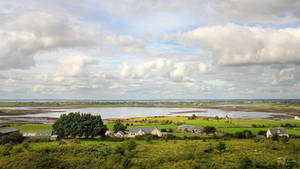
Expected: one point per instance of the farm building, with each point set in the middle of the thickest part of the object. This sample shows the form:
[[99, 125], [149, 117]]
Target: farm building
[[7, 131], [280, 131], [120, 134], [142, 131]]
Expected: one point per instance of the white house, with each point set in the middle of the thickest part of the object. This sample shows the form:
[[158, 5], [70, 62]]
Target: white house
[[135, 131], [297, 118], [120, 134], [280, 131]]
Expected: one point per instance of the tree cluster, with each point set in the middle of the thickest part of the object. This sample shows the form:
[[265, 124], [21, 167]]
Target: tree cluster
[[209, 129], [76, 124]]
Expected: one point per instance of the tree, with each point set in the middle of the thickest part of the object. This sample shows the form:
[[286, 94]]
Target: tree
[[76, 124], [192, 117], [209, 129], [247, 134], [118, 126]]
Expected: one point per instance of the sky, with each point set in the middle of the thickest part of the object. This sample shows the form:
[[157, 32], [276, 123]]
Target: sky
[[149, 49]]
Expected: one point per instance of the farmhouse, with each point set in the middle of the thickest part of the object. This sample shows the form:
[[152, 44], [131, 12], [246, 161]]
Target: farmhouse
[[120, 134], [280, 131], [297, 117], [134, 131], [7, 131]]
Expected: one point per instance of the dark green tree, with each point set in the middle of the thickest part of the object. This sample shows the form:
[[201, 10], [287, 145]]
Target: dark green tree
[[76, 124], [118, 126], [209, 129]]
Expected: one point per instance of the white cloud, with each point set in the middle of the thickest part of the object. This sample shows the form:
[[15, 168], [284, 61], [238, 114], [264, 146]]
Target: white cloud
[[25, 35], [235, 45], [142, 69], [74, 65], [203, 68], [178, 73], [125, 71]]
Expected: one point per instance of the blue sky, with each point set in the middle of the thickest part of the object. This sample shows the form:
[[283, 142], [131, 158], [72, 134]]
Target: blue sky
[[149, 49]]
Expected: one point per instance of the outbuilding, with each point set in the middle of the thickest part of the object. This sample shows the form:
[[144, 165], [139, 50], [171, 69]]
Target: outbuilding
[[279, 131], [8, 131]]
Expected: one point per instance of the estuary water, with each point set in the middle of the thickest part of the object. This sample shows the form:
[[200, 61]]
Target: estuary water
[[127, 112]]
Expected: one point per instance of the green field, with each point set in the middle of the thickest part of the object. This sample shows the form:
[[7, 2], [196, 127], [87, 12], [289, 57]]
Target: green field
[[158, 154], [236, 125]]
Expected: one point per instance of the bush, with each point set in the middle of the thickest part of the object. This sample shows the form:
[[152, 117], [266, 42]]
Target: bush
[[262, 133], [119, 150], [148, 138], [163, 130], [247, 134], [244, 134], [209, 149], [245, 163], [6, 150], [209, 129], [13, 138], [170, 130], [193, 117], [284, 139], [221, 146], [169, 137], [194, 138], [130, 145]]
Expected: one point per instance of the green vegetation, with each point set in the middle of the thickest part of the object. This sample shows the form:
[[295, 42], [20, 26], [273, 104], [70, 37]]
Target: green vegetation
[[155, 154], [238, 148], [76, 124], [13, 138], [118, 126]]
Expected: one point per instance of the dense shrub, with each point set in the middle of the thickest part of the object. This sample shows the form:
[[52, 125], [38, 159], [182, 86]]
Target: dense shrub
[[288, 125], [130, 145], [209, 129], [221, 146], [163, 130], [193, 117], [244, 134], [169, 137], [245, 163], [262, 133], [170, 130], [13, 138], [209, 149]]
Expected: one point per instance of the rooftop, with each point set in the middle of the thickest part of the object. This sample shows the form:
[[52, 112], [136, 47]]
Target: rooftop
[[8, 130]]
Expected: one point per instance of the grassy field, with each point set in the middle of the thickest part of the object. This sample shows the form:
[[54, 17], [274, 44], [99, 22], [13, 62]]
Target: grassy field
[[236, 125], [173, 154]]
